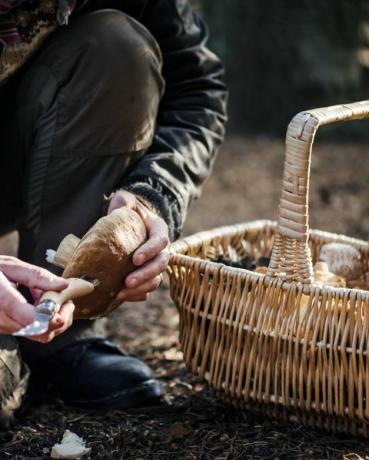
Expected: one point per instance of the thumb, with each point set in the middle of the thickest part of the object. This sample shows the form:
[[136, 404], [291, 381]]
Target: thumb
[[14, 305], [122, 198]]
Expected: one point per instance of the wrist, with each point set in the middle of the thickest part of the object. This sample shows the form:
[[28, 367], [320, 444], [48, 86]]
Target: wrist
[[147, 204], [123, 197]]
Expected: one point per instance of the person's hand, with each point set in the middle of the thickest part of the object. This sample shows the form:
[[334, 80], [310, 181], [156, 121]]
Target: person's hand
[[152, 257], [15, 311], [59, 324]]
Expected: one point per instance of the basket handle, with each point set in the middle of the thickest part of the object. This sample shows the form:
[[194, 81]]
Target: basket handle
[[291, 258]]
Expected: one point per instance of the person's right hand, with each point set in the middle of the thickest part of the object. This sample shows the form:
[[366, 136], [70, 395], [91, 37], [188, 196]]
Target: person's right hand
[[15, 311]]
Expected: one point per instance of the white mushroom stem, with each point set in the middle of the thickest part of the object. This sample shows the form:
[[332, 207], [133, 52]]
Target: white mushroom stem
[[50, 255], [64, 253]]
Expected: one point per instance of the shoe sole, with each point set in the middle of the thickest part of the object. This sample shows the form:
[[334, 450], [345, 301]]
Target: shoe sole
[[144, 394]]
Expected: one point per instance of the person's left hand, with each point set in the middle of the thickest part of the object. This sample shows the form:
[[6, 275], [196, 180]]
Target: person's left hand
[[152, 257], [61, 321], [15, 311], [59, 324]]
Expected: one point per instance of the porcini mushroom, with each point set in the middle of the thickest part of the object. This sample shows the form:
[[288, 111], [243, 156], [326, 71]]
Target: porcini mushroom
[[104, 254], [323, 277], [342, 259]]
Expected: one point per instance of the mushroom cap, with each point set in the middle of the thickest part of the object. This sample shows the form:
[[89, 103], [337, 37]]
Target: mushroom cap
[[105, 254], [342, 259]]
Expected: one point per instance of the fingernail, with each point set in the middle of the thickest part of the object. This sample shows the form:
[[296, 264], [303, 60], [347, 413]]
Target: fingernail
[[140, 259], [61, 282], [132, 282]]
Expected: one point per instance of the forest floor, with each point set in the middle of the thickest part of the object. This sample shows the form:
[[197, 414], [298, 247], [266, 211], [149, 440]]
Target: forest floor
[[190, 423]]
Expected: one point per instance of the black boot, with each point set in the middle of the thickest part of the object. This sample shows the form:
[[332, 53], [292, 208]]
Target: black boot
[[95, 374]]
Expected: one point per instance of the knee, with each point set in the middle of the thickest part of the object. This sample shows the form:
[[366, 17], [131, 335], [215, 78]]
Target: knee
[[116, 73], [111, 31], [13, 379], [103, 72]]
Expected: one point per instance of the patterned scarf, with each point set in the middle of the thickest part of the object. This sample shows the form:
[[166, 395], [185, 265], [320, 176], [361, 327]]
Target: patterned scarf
[[24, 24]]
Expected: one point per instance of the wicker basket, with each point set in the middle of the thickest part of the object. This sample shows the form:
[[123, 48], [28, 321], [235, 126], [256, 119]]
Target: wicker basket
[[248, 335]]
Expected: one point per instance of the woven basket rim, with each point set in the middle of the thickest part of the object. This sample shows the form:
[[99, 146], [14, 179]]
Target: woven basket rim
[[177, 257]]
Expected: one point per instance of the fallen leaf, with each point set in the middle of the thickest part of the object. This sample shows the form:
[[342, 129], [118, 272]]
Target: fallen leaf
[[178, 430], [173, 355]]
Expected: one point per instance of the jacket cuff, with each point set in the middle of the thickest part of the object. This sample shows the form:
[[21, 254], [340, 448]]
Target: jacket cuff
[[164, 203]]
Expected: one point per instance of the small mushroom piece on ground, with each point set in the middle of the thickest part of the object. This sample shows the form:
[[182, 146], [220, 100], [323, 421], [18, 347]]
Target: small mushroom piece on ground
[[342, 259], [71, 446]]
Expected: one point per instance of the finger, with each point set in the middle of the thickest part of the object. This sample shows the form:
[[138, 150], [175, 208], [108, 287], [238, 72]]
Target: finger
[[59, 324], [139, 298], [9, 325], [36, 294], [144, 288], [150, 249], [122, 198], [158, 239], [66, 313], [148, 271], [30, 275], [13, 304], [144, 212], [63, 319]]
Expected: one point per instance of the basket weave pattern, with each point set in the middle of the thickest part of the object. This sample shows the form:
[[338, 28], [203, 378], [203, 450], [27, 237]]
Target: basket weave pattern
[[277, 343]]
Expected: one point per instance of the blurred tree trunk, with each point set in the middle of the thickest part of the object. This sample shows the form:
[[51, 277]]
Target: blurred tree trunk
[[283, 56]]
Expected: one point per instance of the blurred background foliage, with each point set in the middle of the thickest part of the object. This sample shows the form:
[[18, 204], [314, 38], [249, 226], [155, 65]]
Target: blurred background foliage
[[283, 56]]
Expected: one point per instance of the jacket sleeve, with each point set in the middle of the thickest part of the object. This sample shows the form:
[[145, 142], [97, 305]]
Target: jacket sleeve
[[192, 114]]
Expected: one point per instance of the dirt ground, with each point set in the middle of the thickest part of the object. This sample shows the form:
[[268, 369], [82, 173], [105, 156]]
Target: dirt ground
[[191, 423]]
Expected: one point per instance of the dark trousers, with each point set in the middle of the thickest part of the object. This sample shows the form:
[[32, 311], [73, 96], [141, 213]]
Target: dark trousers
[[74, 120]]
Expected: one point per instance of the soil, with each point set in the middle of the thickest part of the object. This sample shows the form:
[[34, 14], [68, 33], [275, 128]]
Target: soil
[[191, 423]]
